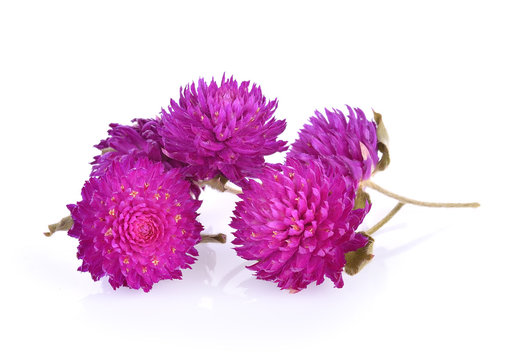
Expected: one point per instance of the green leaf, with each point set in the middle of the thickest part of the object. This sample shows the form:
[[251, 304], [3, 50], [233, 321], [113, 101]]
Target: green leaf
[[383, 142]]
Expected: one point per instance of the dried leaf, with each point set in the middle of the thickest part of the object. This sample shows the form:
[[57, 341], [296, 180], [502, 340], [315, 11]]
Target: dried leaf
[[218, 183], [383, 142], [356, 260], [63, 225], [360, 199]]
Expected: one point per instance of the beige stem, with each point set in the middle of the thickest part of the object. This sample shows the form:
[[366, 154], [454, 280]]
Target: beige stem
[[230, 189], [406, 200], [387, 217], [63, 225], [216, 238]]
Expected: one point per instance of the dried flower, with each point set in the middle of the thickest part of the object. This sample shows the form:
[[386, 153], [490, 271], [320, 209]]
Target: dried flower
[[222, 130], [136, 224], [332, 139], [297, 224], [140, 140]]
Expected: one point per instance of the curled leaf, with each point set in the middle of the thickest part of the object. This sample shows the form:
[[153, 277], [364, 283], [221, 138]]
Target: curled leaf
[[383, 142], [356, 260], [63, 225]]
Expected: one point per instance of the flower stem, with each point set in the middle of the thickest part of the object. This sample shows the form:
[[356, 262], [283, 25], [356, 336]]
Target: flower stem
[[232, 190], [219, 183], [216, 238], [406, 200], [387, 217], [63, 225]]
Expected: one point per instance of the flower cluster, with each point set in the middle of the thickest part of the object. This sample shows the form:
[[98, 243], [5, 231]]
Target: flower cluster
[[137, 220]]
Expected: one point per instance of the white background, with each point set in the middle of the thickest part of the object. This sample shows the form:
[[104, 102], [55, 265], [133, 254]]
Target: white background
[[436, 70]]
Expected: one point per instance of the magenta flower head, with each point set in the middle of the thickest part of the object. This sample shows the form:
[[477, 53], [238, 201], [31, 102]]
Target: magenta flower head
[[136, 224], [332, 138], [137, 141], [297, 224], [226, 129]]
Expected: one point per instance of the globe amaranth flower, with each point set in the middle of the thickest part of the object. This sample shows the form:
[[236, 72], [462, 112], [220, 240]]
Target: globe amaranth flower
[[352, 144], [139, 140], [226, 129], [297, 224], [136, 224]]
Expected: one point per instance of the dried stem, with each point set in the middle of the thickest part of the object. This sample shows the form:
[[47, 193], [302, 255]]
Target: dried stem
[[387, 217], [63, 225], [406, 200], [216, 238], [232, 190], [219, 183]]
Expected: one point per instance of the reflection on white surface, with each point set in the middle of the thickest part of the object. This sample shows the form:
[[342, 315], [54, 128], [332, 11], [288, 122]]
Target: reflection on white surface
[[221, 295]]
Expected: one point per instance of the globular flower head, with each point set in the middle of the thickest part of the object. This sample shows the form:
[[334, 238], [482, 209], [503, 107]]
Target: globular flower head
[[352, 144], [226, 129], [297, 224], [136, 224], [139, 140]]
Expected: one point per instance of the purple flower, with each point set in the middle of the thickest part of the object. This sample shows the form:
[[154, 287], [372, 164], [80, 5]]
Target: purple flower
[[137, 141], [136, 224], [226, 129], [352, 145], [297, 224]]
